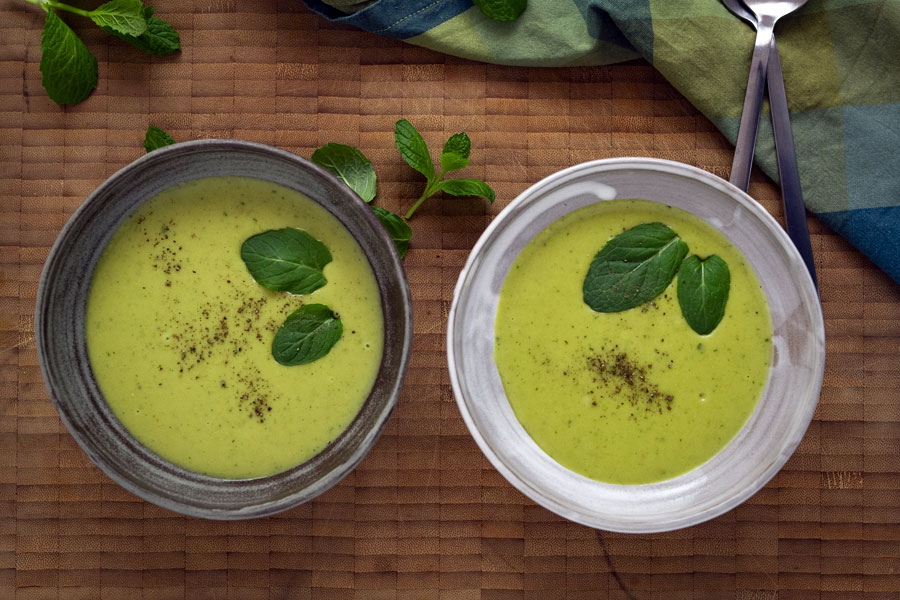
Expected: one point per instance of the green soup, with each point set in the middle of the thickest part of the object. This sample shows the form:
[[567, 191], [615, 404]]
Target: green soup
[[179, 334], [636, 396]]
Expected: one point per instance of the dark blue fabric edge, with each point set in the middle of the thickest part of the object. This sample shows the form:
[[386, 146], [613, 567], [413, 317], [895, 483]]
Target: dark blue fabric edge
[[874, 231], [401, 19]]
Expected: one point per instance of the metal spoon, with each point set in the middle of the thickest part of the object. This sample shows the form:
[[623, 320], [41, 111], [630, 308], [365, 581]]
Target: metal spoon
[[791, 192]]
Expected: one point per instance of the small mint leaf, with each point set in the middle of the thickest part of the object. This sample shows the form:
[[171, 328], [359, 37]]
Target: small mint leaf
[[413, 149], [160, 38], [156, 138], [308, 334], [455, 154], [459, 143], [397, 228], [467, 187], [124, 16], [68, 69], [351, 166], [633, 267], [703, 287], [286, 259], [451, 161]]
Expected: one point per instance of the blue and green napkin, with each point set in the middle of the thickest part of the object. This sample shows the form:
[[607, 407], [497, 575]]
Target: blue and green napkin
[[841, 64]]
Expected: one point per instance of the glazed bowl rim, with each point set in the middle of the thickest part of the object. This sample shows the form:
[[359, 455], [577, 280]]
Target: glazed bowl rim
[[508, 214], [183, 151]]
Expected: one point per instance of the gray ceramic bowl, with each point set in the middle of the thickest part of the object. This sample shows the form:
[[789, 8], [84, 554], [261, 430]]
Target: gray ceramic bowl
[[62, 351]]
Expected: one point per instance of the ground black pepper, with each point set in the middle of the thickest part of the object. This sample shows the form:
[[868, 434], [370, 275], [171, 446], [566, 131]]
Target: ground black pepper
[[218, 331], [612, 369]]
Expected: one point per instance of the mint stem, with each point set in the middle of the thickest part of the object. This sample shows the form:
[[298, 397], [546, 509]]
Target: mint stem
[[53, 4], [418, 203], [429, 192]]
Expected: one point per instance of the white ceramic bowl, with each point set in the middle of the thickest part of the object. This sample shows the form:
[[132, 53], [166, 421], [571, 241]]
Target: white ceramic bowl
[[759, 449]]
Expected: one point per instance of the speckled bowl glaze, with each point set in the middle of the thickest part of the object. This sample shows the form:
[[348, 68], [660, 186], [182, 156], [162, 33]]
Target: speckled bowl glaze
[[758, 450], [62, 351]]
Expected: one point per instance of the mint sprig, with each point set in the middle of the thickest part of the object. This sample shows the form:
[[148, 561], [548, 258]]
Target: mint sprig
[[69, 70], [455, 156]]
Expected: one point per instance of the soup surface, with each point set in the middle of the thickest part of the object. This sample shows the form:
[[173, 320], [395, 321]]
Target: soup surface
[[180, 335], [635, 396]]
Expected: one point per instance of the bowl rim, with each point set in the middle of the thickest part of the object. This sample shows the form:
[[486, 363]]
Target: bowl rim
[[299, 496], [645, 164]]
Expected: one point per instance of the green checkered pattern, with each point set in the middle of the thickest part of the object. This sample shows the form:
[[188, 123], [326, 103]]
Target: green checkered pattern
[[841, 64]]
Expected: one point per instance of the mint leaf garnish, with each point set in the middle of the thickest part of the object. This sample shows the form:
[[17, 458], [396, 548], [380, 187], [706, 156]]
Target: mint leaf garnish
[[703, 286], [397, 228], [458, 143], [286, 259], [633, 267], [501, 10], [455, 156], [413, 149], [467, 187], [123, 16], [456, 152], [156, 138], [160, 38], [308, 334], [351, 166], [68, 69]]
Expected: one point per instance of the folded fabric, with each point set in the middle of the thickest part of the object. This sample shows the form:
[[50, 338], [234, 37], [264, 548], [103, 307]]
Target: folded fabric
[[841, 65]]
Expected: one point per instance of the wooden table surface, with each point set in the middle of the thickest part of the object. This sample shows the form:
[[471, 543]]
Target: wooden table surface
[[425, 516]]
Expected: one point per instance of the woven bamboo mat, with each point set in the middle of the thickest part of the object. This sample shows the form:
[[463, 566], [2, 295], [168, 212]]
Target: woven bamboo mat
[[425, 516]]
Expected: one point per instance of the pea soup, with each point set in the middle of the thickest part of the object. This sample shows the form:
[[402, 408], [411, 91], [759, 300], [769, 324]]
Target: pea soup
[[180, 335], [635, 396]]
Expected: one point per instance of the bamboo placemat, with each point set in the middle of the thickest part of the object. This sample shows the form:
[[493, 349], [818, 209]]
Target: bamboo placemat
[[425, 516]]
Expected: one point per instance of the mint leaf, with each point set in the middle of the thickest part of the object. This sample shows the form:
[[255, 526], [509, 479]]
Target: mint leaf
[[286, 260], [68, 68], [159, 38], [156, 138], [413, 149], [703, 287], [124, 16], [633, 267], [467, 187], [308, 334], [459, 143], [501, 10], [456, 152], [397, 228], [350, 165]]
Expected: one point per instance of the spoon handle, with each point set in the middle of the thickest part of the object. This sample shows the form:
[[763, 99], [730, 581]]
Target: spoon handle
[[788, 172], [746, 140]]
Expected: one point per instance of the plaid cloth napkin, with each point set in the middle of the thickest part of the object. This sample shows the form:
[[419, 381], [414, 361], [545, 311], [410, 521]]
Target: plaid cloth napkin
[[841, 66]]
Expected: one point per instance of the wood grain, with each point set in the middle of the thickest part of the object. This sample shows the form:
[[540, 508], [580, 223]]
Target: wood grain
[[425, 516]]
